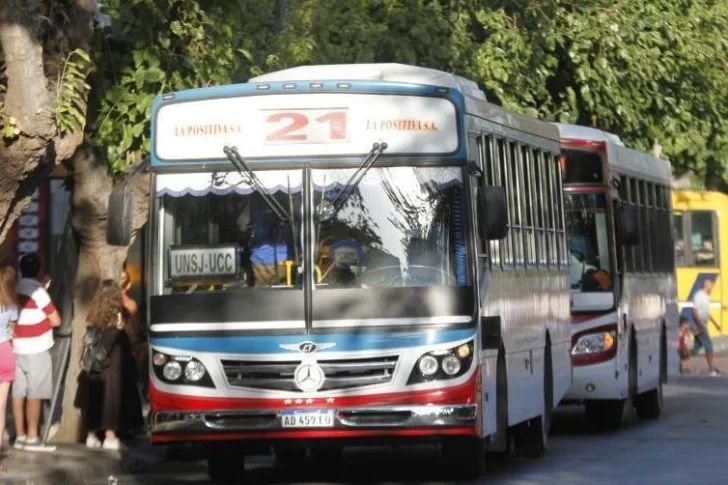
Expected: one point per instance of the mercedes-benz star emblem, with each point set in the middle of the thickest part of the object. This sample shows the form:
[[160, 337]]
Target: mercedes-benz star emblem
[[309, 377]]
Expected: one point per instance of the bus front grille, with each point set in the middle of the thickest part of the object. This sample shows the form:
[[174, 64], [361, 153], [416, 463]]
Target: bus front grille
[[340, 373]]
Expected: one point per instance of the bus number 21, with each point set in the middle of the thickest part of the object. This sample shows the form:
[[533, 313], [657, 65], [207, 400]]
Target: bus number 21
[[295, 124]]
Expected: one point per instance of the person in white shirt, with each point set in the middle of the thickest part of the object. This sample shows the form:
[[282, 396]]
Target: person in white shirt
[[701, 317], [33, 365]]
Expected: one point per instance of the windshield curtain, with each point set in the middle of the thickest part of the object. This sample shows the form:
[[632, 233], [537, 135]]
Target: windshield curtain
[[210, 217], [590, 262], [399, 227]]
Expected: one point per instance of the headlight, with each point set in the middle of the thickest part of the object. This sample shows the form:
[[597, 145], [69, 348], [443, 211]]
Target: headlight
[[194, 371], [593, 343], [451, 365], [428, 365], [172, 371], [442, 364], [180, 370]]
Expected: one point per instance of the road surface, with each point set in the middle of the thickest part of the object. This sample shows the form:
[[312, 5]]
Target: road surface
[[689, 444]]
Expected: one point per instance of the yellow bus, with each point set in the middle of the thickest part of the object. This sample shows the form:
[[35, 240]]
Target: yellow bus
[[700, 241]]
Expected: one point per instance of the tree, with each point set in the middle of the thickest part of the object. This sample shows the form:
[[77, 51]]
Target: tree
[[644, 70], [43, 93]]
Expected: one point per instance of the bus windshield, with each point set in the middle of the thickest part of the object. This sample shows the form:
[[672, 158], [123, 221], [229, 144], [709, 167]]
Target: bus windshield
[[220, 232], [590, 264], [399, 227]]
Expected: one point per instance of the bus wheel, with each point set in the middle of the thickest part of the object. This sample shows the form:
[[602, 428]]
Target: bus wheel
[[467, 455], [649, 404], [534, 433], [605, 415], [226, 465], [290, 457], [327, 456]]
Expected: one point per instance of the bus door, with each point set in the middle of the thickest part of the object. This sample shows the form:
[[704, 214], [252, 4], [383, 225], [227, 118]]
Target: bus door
[[698, 258]]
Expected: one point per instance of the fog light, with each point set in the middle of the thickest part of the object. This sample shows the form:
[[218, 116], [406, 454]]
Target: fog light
[[159, 359], [590, 387], [172, 371], [451, 365], [194, 371], [464, 351], [428, 365]]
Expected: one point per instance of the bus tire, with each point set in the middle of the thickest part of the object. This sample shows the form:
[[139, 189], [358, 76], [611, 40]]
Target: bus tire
[[534, 434], [290, 457], [501, 411], [329, 456], [649, 404], [605, 415], [466, 455], [226, 465]]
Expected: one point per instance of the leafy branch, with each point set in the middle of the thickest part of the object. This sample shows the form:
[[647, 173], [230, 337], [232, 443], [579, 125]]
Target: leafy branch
[[72, 92]]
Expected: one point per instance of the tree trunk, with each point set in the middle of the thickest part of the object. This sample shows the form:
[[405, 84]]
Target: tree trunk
[[97, 261], [30, 100]]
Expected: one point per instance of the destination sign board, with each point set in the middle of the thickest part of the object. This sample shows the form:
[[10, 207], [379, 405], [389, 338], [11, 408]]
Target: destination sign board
[[305, 124]]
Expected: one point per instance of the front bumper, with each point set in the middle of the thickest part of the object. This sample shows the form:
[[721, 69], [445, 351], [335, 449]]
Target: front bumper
[[359, 418], [595, 382]]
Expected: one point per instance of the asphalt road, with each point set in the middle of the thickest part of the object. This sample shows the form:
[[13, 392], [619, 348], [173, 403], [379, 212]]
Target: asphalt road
[[688, 444]]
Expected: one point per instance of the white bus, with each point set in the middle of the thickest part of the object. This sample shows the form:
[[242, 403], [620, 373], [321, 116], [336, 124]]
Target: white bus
[[623, 287], [353, 254]]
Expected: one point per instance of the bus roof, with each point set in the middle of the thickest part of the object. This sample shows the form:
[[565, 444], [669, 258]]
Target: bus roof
[[391, 72], [622, 159]]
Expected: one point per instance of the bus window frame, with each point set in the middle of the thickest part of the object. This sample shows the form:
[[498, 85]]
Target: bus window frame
[[687, 227]]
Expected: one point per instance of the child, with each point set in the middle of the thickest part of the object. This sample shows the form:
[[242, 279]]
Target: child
[[686, 365]]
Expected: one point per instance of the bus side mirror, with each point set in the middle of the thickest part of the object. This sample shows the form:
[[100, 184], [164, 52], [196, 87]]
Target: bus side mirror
[[493, 224], [630, 225], [119, 221]]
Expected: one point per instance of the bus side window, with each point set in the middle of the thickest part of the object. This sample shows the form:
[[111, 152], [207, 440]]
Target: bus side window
[[703, 241], [680, 247]]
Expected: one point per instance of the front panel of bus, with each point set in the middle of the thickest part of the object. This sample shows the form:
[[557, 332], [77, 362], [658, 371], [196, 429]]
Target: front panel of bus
[[310, 294], [699, 220]]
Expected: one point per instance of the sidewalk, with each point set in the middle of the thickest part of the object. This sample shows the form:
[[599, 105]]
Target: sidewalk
[[78, 465]]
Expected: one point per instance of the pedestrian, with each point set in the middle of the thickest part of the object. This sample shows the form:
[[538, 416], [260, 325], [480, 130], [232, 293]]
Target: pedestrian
[[107, 393], [132, 324], [33, 365], [8, 321], [684, 348], [701, 317]]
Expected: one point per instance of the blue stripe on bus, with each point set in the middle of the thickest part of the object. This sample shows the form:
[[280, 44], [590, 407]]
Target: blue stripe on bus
[[687, 312], [329, 87], [345, 342]]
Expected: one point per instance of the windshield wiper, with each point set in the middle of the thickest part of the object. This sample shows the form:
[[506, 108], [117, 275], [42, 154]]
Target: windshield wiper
[[233, 155], [335, 205]]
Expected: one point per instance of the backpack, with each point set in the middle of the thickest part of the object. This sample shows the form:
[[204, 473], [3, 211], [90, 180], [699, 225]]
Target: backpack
[[95, 357]]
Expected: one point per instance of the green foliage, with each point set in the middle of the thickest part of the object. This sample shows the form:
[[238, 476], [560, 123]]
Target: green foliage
[[72, 92], [643, 69], [8, 125]]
